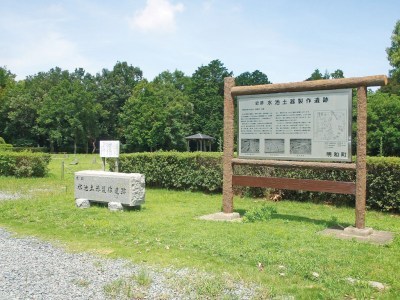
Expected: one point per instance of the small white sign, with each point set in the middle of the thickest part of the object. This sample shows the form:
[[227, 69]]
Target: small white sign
[[109, 148]]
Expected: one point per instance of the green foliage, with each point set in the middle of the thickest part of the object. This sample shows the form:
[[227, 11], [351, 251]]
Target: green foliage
[[317, 75], [383, 124], [393, 55], [260, 214], [393, 51], [112, 89], [383, 182], [24, 164], [202, 171], [207, 97], [176, 170], [6, 147], [2, 141], [30, 149], [255, 78], [156, 117]]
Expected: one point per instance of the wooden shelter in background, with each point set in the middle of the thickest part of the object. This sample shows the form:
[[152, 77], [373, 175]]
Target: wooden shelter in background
[[202, 141]]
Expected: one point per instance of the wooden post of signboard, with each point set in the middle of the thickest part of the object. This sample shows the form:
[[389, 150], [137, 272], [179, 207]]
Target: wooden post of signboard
[[361, 173], [227, 188]]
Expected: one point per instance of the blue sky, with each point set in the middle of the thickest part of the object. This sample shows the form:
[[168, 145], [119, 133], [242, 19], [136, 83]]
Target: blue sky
[[287, 40]]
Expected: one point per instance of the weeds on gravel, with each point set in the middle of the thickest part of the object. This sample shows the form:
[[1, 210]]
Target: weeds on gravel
[[143, 278]]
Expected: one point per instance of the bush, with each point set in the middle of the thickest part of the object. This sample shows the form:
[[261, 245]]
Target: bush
[[30, 149], [383, 183], [176, 170], [202, 171], [2, 141], [263, 213], [24, 164], [6, 147]]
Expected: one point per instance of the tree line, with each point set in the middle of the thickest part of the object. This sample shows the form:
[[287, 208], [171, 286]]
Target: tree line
[[72, 111]]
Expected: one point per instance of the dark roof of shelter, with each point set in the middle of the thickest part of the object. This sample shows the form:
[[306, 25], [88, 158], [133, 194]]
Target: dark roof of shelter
[[199, 136]]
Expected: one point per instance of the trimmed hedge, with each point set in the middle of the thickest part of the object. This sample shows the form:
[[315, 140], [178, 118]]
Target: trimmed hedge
[[176, 170], [24, 164], [6, 147], [30, 149], [202, 171]]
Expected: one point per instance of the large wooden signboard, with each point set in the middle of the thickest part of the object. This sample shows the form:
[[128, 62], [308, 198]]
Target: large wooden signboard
[[274, 137], [296, 126]]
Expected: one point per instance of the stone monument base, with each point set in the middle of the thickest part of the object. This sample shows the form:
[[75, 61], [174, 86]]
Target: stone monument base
[[363, 235], [220, 216]]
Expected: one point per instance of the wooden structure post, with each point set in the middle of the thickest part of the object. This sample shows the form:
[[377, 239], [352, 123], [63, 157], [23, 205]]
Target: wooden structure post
[[227, 203], [361, 175], [358, 188]]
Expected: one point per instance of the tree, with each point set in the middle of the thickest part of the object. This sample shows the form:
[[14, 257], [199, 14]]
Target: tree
[[177, 78], [207, 97], [113, 89], [254, 78], [383, 124], [7, 83], [68, 112], [393, 53], [317, 75], [337, 74], [156, 117]]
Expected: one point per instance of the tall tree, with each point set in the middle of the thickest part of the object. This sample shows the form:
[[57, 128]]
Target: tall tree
[[156, 117], [176, 78], [7, 82], [383, 124], [207, 98], [337, 74], [68, 113], [254, 78], [113, 89], [317, 75], [393, 53]]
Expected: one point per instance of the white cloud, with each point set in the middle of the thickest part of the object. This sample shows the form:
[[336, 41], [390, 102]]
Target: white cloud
[[45, 52], [157, 16]]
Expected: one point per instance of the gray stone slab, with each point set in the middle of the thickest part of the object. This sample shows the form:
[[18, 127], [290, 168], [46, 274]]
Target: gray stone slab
[[82, 203], [115, 206], [363, 235], [100, 186], [220, 216]]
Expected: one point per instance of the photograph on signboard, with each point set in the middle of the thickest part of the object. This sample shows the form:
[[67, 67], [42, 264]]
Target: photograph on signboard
[[274, 146], [300, 146], [250, 146]]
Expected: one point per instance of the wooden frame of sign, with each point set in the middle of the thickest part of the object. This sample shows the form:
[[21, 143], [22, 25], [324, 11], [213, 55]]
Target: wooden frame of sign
[[358, 188]]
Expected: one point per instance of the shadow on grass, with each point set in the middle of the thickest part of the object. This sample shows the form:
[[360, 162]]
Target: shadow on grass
[[332, 223], [126, 208]]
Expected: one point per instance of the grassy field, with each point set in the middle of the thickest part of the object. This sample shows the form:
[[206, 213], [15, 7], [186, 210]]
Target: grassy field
[[166, 232]]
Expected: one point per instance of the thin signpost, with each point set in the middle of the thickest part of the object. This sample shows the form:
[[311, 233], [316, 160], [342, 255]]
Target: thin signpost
[[357, 188]]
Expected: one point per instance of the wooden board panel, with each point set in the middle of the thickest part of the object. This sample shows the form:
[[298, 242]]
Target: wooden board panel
[[314, 85], [339, 187], [294, 164]]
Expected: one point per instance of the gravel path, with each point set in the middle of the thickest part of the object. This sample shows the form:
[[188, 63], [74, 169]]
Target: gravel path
[[33, 269]]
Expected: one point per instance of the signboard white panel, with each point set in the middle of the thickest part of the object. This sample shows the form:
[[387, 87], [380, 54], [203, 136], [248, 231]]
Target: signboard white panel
[[109, 148], [313, 125]]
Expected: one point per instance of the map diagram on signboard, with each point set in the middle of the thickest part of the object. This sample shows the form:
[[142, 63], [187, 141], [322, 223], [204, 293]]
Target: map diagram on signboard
[[330, 125]]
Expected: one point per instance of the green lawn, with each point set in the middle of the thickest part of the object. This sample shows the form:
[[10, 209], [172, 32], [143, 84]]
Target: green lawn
[[166, 232]]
